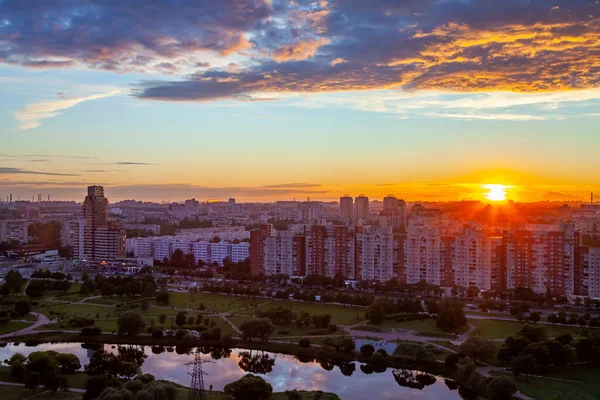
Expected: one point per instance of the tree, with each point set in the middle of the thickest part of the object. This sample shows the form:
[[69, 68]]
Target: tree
[[249, 387], [257, 329], [33, 380], [23, 307], [150, 290], [478, 349], [501, 388], [535, 317], [94, 386], [376, 313], [452, 318], [162, 297], [69, 363], [304, 342], [130, 323], [181, 318], [162, 319], [524, 364], [13, 281], [451, 360], [367, 350], [63, 384], [18, 371], [52, 382]]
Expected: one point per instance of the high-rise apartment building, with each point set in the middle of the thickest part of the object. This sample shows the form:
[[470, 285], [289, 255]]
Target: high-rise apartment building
[[284, 253], [346, 207], [257, 248], [72, 234], [102, 239], [393, 214], [361, 207], [375, 254], [330, 251], [543, 260]]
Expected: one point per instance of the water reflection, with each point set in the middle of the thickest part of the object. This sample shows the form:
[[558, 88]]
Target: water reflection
[[349, 380]]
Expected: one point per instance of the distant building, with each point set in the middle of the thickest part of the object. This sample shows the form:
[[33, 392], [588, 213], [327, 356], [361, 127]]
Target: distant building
[[102, 239], [14, 229], [346, 207], [361, 207]]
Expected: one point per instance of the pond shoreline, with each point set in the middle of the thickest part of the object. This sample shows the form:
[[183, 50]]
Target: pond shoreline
[[312, 352]]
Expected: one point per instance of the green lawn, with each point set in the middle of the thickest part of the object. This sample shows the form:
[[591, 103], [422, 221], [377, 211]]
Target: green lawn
[[341, 315], [76, 380], [546, 389], [13, 326], [212, 302], [426, 327], [14, 392], [293, 329], [111, 325], [498, 329], [87, 311]]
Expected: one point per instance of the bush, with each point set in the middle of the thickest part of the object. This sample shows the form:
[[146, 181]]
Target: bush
[[304, 342], [80, 322], [91, 330], [215, 333], [452, 360], [157, 333], [367, 350], [382, 352], [283, 332], [180, 334], [14, 315], [206, 336], [226, 341]]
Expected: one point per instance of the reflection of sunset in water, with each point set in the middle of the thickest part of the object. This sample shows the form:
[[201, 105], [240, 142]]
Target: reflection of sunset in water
[[288, 373]]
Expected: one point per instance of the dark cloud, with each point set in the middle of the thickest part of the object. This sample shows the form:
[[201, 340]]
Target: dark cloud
[[118, 35], [315, 46], [20, 171]]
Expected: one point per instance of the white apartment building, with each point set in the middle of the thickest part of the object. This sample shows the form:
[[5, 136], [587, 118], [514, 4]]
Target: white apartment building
[[279, 254], [423, 261], [240, 252], [591, 273], [375, 254], [473, 260], [72, 234]]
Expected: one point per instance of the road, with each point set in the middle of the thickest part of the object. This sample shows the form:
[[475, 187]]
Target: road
[[74, 390], [41, 320]]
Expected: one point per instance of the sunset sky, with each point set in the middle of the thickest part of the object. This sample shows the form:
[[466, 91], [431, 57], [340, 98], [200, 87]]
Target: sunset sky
[[273, 99]]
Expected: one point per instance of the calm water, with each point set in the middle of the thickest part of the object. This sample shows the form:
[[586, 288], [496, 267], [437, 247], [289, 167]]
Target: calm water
[[287, 372]]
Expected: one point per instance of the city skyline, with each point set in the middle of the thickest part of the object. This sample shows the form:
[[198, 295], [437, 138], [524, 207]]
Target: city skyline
[[266, 100]]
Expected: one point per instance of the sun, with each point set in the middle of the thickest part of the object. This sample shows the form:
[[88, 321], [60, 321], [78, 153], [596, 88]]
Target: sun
[[496, 192]]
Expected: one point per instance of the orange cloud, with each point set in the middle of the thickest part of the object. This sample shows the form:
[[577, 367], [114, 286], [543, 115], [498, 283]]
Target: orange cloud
[[300, 50]]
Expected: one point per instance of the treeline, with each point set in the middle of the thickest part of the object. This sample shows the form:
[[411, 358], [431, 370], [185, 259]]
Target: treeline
[[13, 283], [118, 285], [45, 368], [37, 288], [46, 274], [44, 233]]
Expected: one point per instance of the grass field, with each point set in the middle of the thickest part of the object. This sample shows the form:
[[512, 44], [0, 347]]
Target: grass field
[[498, 329], [76, 380], [546, 389], [340, 315], [293, 329], [212, 302], [13, 326], [426, 327], [87, 311]]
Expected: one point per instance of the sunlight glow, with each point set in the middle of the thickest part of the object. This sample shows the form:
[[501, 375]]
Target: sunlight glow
[[495, 192]]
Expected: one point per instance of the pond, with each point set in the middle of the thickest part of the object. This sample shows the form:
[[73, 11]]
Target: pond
[[350, 381]]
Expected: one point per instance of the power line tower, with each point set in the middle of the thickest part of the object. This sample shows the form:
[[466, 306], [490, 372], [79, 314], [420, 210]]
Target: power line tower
[[197, 391]]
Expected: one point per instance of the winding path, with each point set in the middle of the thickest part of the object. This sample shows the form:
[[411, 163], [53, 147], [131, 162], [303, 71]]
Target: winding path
[[41, 320]]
